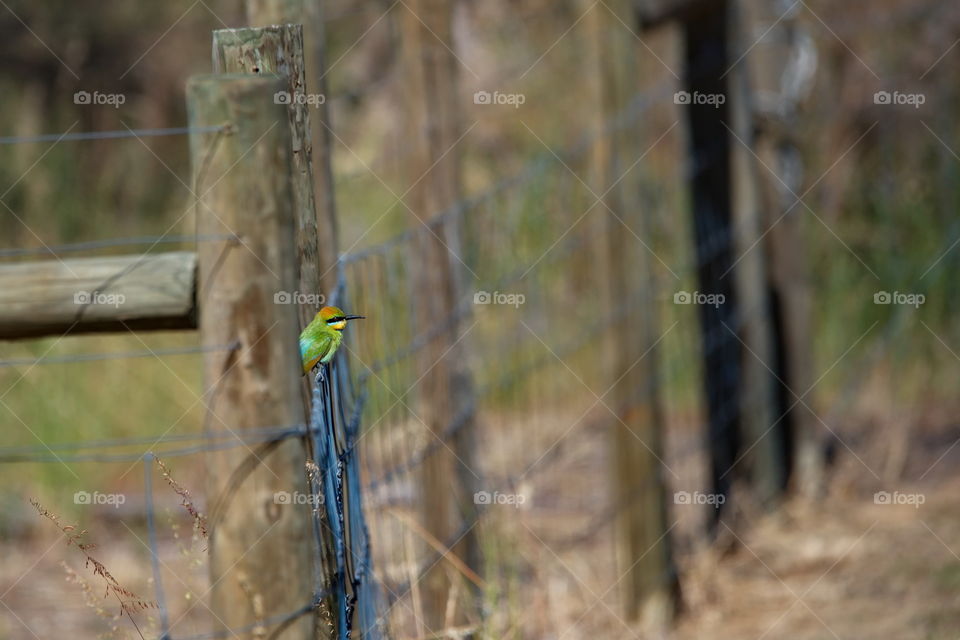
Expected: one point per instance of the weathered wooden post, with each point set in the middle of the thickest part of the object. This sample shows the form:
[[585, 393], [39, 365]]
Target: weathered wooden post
[[433, 120], [650, 585], [279, 50], [309, 14], [261, 552]]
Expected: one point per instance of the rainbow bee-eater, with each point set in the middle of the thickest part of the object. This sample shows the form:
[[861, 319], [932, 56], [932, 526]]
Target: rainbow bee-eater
[[321, 338]]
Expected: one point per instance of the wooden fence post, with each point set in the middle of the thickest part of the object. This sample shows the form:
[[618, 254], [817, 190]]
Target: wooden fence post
[[650, 585], [278, 50], [261, 552], [433, 120], [309, 14]]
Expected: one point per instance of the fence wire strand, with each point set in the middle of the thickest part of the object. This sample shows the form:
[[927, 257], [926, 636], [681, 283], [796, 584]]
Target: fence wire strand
[[107, 135]]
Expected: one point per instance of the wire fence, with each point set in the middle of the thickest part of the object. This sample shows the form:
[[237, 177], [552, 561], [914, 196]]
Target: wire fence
[[542, 355], [533, 251]]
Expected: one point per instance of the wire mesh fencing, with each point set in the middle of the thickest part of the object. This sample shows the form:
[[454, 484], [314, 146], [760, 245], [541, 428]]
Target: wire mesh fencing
[[532, 263]]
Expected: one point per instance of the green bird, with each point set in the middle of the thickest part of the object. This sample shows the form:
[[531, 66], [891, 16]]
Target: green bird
[[321, 338]]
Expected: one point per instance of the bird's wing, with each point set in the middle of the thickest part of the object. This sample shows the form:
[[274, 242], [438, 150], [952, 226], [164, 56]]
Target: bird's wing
[[313, 349]]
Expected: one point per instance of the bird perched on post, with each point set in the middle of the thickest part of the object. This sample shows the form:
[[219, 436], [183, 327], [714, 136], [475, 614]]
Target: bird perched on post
[[321, 338]]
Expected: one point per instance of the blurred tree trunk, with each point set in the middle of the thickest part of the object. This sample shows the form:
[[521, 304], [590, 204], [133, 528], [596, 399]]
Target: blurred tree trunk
[[782, 67], [706, 51], [764, 433]]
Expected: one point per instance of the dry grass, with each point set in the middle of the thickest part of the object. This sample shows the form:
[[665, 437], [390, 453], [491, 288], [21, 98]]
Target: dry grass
[[129, 601], [186, 500]]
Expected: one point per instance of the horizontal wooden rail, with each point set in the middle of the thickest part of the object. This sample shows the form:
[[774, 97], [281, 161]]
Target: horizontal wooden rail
[[90, 295], [652, 14]]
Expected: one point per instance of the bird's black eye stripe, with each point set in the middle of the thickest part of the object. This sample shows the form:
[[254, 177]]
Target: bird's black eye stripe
[[336, 319]]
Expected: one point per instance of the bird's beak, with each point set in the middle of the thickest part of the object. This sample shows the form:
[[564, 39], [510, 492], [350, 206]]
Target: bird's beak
[[354, 317]]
